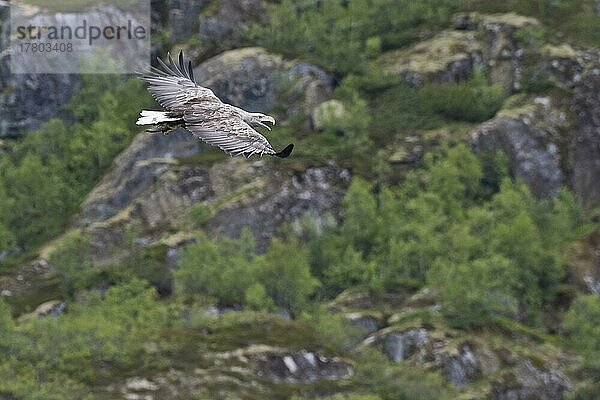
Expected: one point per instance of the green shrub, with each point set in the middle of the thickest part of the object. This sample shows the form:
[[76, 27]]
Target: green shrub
[[223, 268], [472, 293], [285, 274], [72, 263], [472, 101], [375, 374], [582, 329], [231, 271], [49, 172], [400, 110], [487, 254], [340, 35], [256, 297]]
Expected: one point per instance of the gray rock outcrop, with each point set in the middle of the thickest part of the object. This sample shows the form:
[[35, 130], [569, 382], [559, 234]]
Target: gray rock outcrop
[[527, 381], [464, 362], [584, 143], [531, 149], [400, 346]]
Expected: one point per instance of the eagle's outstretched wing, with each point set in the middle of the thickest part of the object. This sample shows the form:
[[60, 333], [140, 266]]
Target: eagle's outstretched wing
[[221, 125], [174, 86], [203, 114]]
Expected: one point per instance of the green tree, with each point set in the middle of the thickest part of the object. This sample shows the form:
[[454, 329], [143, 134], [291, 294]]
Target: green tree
[[223, 268], [582, 329], [40, 200], [285, 274], [473, 292]]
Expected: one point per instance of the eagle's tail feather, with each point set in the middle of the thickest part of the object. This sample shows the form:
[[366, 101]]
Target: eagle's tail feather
[[285, 152], [155, 117]]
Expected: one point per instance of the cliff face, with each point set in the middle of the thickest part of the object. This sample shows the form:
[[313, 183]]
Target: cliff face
[[161, 189]]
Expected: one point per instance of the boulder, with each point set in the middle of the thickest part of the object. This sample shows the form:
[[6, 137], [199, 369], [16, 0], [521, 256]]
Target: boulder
[[503, 53], [367, 322], [269, 197], [182, 17], [29, 100]]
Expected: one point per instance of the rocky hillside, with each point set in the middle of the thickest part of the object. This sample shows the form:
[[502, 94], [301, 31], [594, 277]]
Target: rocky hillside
[[434, 234]]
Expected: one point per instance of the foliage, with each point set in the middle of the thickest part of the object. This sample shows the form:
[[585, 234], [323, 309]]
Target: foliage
[[285, 273], [472, 101], [47, 173], [398, 382], [232, 272], [400, 108], [335, 329], [223, 268], [340, 35], [575, 18], [486, 254], [72, 264], [582, 329], [53, 358]]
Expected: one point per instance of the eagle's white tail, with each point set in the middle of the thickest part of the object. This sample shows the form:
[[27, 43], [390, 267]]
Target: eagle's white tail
[[154, 117]]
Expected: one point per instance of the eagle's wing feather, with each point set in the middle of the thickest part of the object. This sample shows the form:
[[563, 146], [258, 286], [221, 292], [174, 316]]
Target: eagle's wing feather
[[174, 86], [221, 126], [204, 115]]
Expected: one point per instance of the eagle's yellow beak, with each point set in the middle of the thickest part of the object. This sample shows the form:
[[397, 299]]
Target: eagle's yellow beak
[[270, 119]]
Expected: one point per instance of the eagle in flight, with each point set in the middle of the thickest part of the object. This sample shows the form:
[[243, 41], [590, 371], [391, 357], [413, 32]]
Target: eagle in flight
[[198, 110]]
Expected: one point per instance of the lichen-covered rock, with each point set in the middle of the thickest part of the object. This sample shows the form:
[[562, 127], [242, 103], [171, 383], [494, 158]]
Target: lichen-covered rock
[[155, 195], [367, 322], [28, 100], [301, 367], [504, 55], [448, 57], [275, 196]]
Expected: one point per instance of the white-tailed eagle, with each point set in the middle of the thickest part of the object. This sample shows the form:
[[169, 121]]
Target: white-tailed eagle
[[198, 110]]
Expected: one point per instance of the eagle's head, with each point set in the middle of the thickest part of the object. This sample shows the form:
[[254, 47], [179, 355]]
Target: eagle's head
[[259, 119]]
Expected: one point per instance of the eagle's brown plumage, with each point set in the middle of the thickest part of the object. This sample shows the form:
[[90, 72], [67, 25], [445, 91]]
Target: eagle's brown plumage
[[199, 111]]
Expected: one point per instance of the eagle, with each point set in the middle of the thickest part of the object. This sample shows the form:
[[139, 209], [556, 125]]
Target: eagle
[[203, 114]]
